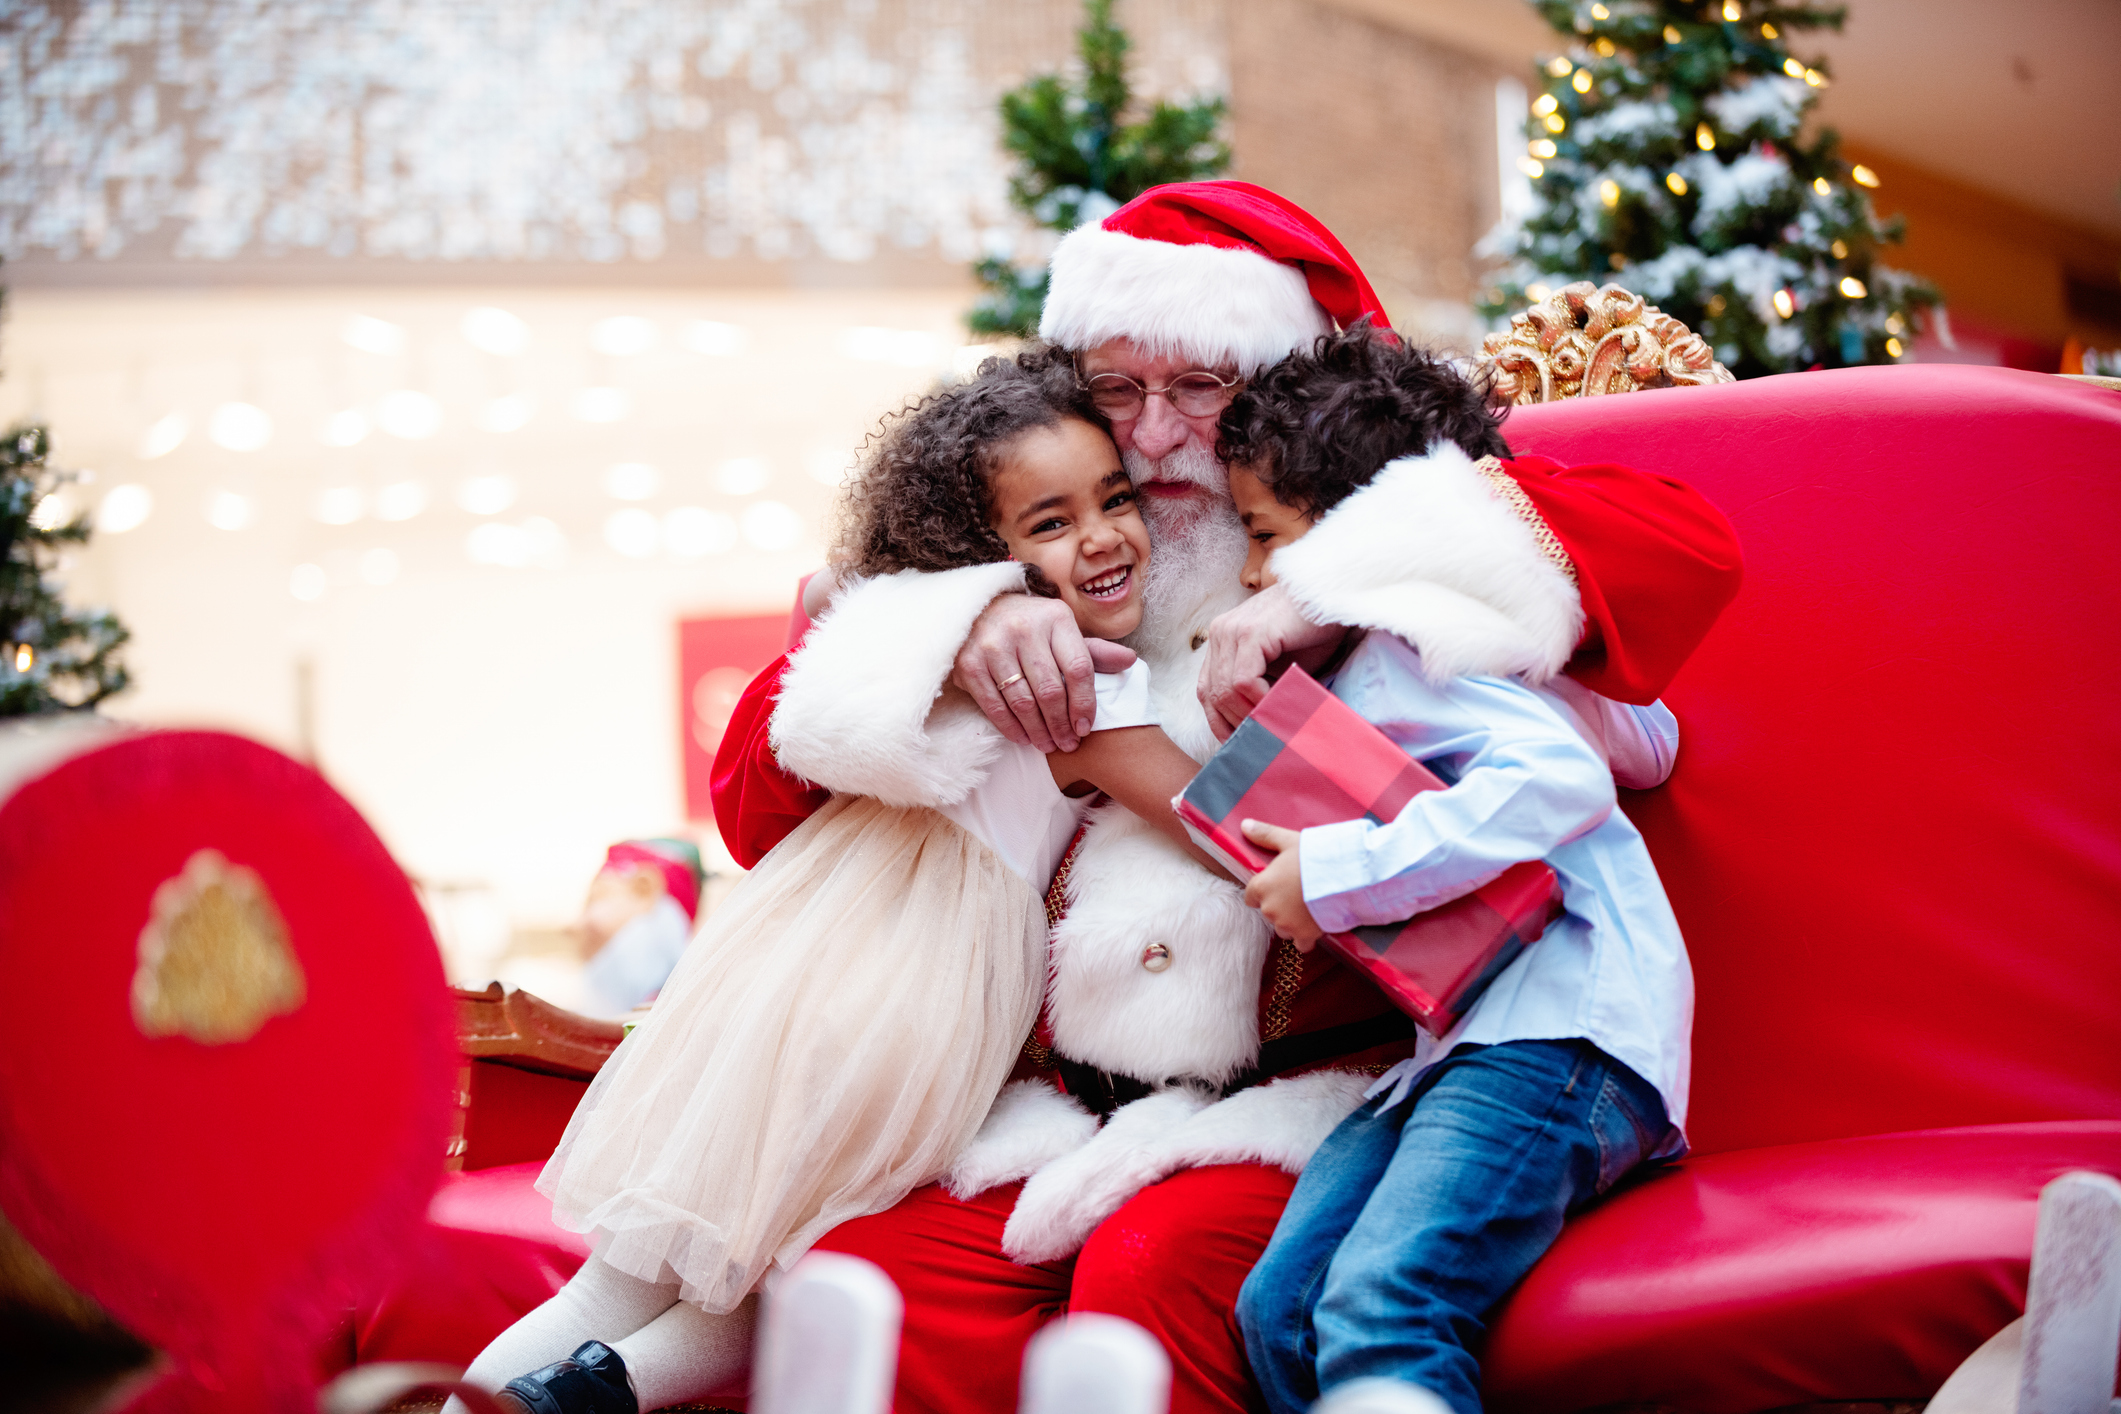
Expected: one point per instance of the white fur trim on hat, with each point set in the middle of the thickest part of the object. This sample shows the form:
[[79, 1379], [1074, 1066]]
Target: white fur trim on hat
[[863, 706], [1199, 1017], [1220, 308], [1427, 551]]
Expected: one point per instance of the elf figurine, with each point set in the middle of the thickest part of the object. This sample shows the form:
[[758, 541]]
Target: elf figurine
[[637, 919]]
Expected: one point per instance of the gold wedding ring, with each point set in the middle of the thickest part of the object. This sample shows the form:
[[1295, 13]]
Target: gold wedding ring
[[1013, 677]]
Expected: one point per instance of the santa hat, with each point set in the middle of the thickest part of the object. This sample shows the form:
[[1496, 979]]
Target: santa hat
[[1226, 274]]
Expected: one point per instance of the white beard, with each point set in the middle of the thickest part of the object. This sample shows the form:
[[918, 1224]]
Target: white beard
[[1198, 549]]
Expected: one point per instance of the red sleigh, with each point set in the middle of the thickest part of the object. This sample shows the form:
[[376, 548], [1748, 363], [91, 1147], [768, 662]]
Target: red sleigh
[[1893, 840]]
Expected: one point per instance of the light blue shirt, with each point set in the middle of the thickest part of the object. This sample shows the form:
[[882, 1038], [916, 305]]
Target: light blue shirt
[[1521, 784]]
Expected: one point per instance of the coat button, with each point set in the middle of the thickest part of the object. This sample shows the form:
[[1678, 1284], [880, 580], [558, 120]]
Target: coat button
[[1156, 957]]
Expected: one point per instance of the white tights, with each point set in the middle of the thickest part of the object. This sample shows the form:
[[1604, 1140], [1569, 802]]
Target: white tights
[[674, 1352]]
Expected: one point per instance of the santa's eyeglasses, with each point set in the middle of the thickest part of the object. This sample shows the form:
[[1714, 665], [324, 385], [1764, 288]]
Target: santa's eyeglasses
[[1195, 394]]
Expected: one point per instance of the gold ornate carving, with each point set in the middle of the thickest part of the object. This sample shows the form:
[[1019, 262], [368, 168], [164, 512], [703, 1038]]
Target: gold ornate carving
[[1582, 341], [215, 963]]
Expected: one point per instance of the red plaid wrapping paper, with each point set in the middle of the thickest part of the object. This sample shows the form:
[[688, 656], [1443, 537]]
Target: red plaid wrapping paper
[[1304, 758]]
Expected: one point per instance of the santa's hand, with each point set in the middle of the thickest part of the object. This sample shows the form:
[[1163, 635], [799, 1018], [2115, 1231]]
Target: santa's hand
[[1241, 643], [1029, 668], [1277, 891]]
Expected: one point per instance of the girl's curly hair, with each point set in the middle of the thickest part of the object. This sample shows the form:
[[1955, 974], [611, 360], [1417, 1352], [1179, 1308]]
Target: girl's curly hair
[[1321, 423], [921, 500]]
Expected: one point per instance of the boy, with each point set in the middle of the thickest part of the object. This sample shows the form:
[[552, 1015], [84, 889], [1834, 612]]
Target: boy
[[1432, 1200]]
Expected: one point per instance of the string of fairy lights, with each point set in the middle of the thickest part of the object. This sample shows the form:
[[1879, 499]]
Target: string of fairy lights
[[247, 448], [1667, 142]]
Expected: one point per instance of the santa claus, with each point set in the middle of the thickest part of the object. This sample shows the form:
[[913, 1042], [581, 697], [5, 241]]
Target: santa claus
[[1187, 1063]]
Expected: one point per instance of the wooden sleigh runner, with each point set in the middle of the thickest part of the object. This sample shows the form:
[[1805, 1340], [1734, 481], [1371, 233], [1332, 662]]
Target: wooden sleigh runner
[[525, 1066]]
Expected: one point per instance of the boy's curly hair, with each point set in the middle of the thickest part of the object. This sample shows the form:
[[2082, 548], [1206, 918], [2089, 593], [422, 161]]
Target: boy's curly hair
[[921, 500], [1321, 423]]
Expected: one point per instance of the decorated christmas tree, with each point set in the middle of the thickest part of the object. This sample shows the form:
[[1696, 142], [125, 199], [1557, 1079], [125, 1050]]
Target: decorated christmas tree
[[1080, 159], [1666, 154], [52, 658]]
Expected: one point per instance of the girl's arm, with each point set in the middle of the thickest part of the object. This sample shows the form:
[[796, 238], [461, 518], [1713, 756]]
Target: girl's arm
[[1142, 769]]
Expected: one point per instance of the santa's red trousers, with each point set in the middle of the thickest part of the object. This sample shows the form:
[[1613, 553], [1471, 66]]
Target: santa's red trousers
[[1171, 1261]]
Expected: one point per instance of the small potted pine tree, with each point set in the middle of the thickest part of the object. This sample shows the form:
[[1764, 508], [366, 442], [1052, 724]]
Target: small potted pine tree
[[1080, 157], [52, 658]]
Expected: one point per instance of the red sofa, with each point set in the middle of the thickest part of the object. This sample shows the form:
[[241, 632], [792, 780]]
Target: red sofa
[[1894, 843]]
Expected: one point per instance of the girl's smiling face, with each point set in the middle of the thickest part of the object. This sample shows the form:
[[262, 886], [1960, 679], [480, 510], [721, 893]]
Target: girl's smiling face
[[1063, 503]]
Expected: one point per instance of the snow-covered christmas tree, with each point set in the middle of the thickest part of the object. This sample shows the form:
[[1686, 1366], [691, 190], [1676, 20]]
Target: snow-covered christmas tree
[[52, 658], [1079, 159], [1666, 154]]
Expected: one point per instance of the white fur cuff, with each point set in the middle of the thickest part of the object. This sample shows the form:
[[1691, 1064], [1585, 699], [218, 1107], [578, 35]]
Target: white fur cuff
[[1030, 1126], [1065, 1201], [1280, 1124], [863, 707], [1427, 551]]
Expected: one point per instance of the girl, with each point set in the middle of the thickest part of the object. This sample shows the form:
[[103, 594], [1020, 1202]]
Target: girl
[[845, 1020]]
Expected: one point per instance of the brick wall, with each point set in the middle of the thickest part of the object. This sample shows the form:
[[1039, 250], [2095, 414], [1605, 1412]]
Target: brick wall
[[1387, 137]]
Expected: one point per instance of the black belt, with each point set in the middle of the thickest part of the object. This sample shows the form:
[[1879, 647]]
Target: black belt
[[1103, 1092], [1286, 1053]]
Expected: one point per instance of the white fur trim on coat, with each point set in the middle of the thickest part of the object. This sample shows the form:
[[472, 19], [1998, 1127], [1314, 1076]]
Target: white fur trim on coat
[[1280, 1124], [1220, 308], [1063, 1202], [1199, 1017], [1427, 551], [862, 707], [1030, 1126]]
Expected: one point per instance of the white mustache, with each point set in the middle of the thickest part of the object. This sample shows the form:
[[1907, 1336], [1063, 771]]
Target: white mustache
[[1190, 464]]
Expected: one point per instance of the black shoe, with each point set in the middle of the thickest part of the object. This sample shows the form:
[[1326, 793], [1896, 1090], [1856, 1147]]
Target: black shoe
[[591, 1381]]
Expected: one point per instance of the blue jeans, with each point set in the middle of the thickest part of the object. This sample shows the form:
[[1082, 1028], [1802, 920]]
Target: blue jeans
[[1410, 1225]]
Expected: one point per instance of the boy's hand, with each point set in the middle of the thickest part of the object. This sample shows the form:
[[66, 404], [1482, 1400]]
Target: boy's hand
[[1277, 891]]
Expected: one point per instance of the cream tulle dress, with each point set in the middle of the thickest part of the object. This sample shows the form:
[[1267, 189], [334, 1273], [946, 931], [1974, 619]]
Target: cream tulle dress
[[833, 1036]]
